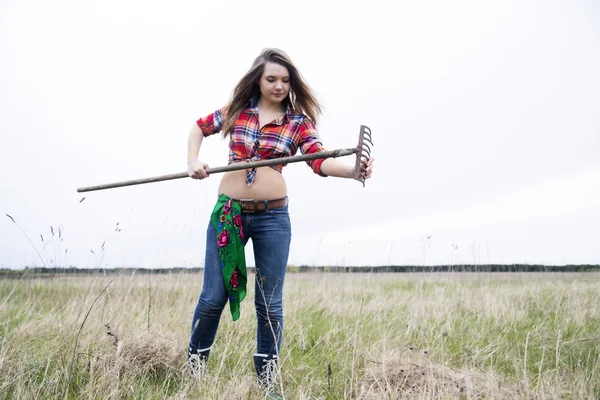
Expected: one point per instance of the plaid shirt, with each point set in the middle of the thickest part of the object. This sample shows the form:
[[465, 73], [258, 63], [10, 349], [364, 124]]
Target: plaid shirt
[[279, 138]]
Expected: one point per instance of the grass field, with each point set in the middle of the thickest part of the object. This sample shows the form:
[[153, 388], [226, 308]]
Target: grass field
[[355, 336]]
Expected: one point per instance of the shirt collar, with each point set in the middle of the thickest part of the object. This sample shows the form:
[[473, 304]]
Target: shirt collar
[[253, 108]]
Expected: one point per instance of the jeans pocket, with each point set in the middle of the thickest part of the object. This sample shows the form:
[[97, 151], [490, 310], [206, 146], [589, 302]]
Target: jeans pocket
[[280, 217], [278, 211]]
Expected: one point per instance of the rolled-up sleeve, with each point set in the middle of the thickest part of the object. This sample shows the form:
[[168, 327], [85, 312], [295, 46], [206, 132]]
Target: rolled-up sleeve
[[310, 142], [212, 123]]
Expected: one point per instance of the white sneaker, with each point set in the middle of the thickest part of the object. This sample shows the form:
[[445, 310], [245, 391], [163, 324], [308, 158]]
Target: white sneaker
[[196, 366], [197, 363]]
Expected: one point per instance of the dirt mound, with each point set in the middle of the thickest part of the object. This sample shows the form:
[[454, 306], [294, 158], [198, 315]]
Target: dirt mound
[[143, 352], [152, 352], [411, 374]]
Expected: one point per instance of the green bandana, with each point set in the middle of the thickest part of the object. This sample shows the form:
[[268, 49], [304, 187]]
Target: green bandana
[[227, 220]]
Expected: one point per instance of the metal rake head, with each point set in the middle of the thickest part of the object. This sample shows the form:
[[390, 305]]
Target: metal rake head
[[363, 153]]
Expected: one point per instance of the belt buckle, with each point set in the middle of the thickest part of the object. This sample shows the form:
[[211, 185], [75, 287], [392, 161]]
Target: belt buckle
[[242, 201]]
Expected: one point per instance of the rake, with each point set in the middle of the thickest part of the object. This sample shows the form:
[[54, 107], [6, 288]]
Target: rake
[[362, 152]]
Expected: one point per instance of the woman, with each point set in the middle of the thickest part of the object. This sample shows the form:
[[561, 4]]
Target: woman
[[272, 114]]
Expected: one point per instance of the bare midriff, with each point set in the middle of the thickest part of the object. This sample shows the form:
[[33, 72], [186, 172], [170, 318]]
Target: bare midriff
[[268, 185]]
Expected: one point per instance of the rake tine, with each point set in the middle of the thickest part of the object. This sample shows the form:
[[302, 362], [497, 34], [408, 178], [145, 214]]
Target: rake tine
[[367, 147]]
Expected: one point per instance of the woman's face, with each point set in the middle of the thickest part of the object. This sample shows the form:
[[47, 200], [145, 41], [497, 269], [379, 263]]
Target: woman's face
[[274, 83]]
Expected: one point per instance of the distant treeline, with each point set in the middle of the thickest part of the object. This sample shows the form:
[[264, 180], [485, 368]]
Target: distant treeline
[[42, 271]]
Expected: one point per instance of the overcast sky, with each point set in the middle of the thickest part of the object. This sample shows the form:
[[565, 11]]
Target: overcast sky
[[485, 119]]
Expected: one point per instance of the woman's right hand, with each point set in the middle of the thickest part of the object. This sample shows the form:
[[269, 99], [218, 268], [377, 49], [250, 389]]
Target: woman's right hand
[[197, 169]]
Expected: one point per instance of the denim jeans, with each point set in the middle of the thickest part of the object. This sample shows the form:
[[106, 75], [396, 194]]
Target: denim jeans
[[270, 232]]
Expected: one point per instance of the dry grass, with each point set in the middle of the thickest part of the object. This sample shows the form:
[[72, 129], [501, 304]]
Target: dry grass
[[358, 336]]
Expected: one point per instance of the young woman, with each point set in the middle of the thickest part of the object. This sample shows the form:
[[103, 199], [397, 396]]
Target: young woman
[[272, 114]]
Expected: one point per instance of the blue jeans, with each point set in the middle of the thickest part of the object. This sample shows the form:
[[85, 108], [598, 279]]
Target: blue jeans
[[271, 236]]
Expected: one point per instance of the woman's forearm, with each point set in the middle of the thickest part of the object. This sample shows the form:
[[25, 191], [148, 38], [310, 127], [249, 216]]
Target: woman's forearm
[[333, 167]]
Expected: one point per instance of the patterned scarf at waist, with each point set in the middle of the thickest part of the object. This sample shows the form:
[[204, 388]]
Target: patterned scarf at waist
[[227, 221]]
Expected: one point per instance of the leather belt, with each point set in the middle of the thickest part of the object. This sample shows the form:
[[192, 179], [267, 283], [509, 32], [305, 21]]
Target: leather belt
[[254, 206]]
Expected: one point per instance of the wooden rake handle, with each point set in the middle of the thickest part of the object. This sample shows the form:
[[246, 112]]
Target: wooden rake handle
[[358, 173], [231, 167]]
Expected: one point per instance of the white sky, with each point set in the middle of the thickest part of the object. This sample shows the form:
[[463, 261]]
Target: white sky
[[485, 118]]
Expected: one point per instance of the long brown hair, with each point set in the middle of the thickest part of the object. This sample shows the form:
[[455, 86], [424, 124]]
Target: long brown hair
[[300, 98]]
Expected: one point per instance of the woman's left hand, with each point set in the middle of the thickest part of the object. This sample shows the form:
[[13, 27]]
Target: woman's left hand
[[368, 168]]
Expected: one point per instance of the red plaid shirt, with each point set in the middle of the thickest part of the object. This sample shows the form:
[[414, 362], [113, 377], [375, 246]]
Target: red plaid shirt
[[279, 138]]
